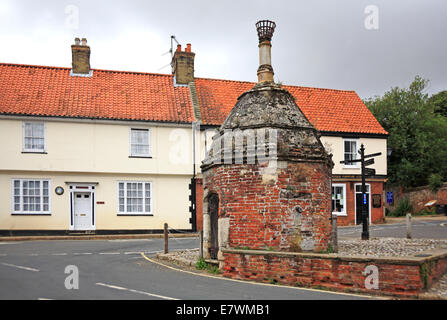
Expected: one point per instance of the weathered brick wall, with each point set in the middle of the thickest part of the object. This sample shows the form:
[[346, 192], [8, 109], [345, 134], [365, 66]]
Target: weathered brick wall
[[419, 196], [347, 274], [287, 209], [199, 204]]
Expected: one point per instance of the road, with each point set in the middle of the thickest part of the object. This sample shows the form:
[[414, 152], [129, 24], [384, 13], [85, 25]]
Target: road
[[115, 269], [430, 229]]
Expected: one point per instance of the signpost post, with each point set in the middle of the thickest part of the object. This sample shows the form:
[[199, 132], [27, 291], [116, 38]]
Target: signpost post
[[364, 172]]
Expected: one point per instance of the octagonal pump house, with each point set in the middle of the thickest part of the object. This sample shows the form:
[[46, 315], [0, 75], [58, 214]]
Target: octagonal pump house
[[267, 176]]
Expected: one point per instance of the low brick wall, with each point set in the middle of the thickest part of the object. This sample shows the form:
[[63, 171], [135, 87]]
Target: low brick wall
[[418, 196], [404, 277]]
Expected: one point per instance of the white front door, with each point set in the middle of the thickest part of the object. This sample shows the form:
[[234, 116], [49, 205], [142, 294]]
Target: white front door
[[83, 211]]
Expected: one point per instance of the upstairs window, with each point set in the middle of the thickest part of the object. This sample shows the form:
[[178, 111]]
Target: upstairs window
[[350, 152], [33, 137], [139, 143]]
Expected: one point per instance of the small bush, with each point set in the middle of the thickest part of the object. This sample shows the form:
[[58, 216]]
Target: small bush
[[201, 264], [435, 182], [403, 207], [213, 269], [427, 212]]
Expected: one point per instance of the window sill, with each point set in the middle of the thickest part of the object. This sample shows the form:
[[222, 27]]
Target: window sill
[[37, 152], [30, 214], [339, 214], [144, 157], [135, 215]]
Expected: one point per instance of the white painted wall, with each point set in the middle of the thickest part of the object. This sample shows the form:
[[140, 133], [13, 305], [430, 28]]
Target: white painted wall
[[335, 146]]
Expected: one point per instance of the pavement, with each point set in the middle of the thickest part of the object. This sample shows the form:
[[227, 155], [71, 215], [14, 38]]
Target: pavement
[[423, 227], [116, 269], [95, 237], [120, 267]]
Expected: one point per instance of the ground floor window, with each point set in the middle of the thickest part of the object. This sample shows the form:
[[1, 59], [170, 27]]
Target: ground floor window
[[135, 197], [31, 196], [339, 199]]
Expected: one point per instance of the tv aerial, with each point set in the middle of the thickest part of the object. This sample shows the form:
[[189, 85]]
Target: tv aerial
[[171, 51]]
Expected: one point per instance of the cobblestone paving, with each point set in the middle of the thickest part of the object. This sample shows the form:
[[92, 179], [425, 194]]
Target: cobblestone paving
[[394, 247]]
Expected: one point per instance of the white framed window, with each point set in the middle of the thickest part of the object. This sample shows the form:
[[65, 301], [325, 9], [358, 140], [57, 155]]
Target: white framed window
[[358, 188], [33, 137], [339, 199], [140, 142], [30, 196], [350, 150], [134, 197]]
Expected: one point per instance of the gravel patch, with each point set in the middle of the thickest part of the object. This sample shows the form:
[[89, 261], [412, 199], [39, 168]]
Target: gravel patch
[[184, 257]]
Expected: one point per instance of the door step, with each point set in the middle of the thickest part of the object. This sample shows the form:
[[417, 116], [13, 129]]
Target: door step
[[81, 232]]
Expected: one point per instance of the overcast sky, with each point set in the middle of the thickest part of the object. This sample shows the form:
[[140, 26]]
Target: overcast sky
[[341, 44]]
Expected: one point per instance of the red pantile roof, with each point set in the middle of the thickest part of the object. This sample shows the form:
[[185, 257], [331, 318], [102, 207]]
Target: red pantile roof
[[120, 95], [327, 109], [51, 91]]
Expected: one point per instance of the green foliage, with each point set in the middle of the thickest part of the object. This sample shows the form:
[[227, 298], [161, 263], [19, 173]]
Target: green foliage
[[213, 269], [439, 102], [201, 264], [403, 207], [435, 182], [329, 249], [417, 134], [427, 212]]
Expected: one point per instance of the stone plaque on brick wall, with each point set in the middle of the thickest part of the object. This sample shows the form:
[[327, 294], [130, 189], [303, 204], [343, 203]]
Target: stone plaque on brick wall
[[377, 200]]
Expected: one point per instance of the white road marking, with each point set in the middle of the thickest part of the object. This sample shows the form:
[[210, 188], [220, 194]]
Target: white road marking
[[135, 291], [58, 254], [81, 253], [10, 242], [20, 267], [139, 252], [2, 255], [110, 253], [44, 299]]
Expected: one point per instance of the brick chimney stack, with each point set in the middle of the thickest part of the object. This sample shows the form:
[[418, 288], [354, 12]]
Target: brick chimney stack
[[80, 57], [183, 65], [265, 30]]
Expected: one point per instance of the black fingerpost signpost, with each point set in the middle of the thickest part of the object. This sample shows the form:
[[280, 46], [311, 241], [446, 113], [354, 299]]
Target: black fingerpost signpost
[[365, 172]]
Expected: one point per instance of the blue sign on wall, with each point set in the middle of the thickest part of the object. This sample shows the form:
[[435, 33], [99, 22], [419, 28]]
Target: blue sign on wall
[[389, 197], [364, 198]]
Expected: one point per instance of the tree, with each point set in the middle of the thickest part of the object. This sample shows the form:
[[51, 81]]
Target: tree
[[417, 134], [439, 101]]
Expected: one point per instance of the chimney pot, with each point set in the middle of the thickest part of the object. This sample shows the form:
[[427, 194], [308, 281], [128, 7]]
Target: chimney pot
[[183, 65], [84, 41], [265, 29], [77, 41]]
